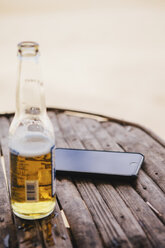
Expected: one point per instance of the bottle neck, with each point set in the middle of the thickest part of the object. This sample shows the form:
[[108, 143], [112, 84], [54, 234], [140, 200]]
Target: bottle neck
[[30, 99]]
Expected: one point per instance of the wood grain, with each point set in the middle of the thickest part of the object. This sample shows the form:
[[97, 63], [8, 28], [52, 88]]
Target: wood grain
[[7, 229], [149, 186], [83, 229], [151, 193], [101, 212], [109, 229], [4, 130], [152, 226], [123, 215], [154, 163]]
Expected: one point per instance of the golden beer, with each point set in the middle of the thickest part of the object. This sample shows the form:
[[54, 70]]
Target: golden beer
[[32, 189]]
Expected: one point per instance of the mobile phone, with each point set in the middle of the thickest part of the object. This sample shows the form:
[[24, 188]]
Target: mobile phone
[[98, 162]]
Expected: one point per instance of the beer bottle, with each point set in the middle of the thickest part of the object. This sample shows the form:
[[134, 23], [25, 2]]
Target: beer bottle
[[31, 142]]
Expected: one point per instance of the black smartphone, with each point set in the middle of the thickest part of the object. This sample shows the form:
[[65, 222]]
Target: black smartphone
[[98, 162]]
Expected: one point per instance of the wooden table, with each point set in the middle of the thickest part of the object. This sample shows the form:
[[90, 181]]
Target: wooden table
[[99, 212]]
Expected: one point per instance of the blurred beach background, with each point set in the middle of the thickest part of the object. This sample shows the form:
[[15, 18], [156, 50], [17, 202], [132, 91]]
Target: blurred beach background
[[101, 56]]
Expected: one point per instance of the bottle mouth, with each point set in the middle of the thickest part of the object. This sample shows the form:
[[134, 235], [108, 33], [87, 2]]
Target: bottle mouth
[[28, 48]]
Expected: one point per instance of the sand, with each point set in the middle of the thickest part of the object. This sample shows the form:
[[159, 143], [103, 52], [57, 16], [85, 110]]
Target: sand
[[106, 56]]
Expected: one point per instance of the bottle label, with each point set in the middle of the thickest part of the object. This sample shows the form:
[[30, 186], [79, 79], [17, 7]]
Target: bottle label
[[32, 178], [31, 191]]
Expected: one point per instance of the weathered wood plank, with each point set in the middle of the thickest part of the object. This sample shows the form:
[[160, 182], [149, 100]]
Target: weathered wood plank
[[110, 230], [151, 143], [59, 139], [118, 195], [123, 215], [82, 227], [4, 127], [154, 229], [145, 186], [156, 233], [97, 207], [7, 229], [68, 132], [151, 193], [154, 163]]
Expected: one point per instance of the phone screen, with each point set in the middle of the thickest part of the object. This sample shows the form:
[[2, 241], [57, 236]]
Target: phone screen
[[98, 162]]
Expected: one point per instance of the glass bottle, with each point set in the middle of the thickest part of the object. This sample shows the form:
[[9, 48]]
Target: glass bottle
[[31, 142]]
